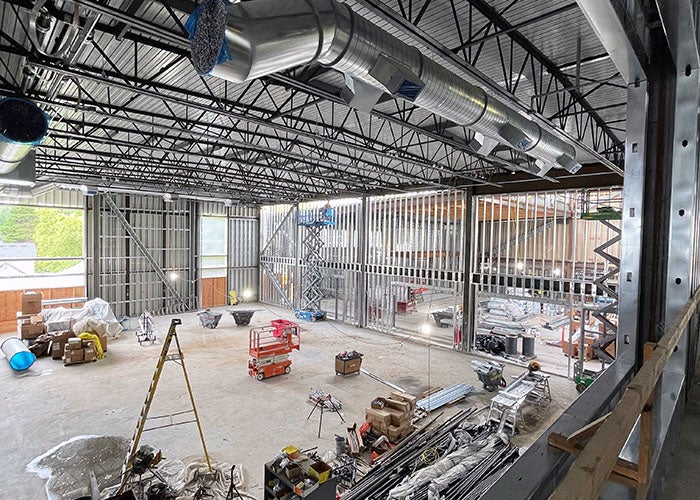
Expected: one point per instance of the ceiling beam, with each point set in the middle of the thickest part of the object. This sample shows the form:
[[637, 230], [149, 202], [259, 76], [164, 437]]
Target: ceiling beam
[[588, 177], [615, 28]]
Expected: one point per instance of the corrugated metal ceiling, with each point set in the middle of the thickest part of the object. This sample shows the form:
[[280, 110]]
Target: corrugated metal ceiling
[[357, 151]]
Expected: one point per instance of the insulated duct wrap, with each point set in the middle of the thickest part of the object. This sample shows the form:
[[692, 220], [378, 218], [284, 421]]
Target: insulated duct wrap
[[22, 126], [267, 36]]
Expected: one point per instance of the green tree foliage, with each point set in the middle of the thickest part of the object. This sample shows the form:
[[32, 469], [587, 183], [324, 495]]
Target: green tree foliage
[[17, 224], [58, 233]]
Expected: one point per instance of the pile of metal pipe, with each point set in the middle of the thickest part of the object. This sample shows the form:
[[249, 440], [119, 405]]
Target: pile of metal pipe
[[436, 442], [444, 397], [481, 477]]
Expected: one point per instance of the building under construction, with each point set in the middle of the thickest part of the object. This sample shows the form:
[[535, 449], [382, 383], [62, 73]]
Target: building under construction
[[479, 215]]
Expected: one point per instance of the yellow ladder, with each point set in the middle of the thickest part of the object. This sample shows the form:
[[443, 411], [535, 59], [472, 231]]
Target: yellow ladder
[[143, 416]]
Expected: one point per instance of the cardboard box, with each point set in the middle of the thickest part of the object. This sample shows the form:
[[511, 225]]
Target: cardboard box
[[587, 353], [103, 342], [58, 343], [74, 344], [57, 350], [407, 398], [31, 302], [395, 433], [30, 318], [377, 416], [28, 330], [73, 356], [293, 471], [401, 406], [320, 471], [89, 354]]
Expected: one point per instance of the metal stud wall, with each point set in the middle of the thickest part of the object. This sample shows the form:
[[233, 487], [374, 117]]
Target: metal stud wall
[[542, 236], [124, 276], [542, 247], [244, 250], [341, 253], [373, 252], [413, 240], [243, 242], [278, 255]]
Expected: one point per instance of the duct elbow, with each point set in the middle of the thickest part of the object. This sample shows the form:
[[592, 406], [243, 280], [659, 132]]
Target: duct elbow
[[22, 126], [249, 40]]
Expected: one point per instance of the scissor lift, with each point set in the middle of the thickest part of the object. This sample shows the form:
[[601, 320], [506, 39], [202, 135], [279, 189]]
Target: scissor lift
[[269, 348], [311, 295]]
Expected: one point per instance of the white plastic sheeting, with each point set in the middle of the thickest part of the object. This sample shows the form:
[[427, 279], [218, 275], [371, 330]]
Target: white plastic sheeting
[[95, 316], [447, 470]]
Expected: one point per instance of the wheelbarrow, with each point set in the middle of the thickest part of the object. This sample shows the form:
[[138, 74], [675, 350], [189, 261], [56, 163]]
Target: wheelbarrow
[[209, 319], [242, 318]]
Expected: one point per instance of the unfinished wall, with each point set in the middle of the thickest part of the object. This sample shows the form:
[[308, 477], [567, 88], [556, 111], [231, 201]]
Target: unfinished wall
[[14, 279], [542, 235], [120, 271], [235, 267], [373, 252]]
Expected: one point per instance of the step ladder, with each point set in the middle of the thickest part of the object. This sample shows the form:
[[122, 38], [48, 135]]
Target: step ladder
[[143, 416]]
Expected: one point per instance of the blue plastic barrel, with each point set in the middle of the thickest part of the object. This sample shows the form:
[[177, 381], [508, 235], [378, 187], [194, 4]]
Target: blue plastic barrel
[[17, 354]]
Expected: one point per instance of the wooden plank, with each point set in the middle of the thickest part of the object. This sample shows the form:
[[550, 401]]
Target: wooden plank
[[630, 483], [592, 468], [646, 438], [622, 467], [587, 431], [11, 300], [214, 292], [646, 434]]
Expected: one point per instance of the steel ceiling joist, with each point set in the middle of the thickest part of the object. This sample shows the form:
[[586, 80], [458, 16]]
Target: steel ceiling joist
[[543, 73], [414, 168], [309, 128], [481, 167]]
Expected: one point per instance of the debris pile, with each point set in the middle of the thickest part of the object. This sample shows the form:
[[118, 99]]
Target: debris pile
[[455, 460]]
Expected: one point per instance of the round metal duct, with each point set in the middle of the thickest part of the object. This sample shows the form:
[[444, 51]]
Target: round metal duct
[[22, 126]]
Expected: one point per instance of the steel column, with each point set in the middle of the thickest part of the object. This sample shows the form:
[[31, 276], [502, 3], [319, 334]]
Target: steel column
[[632, 218]]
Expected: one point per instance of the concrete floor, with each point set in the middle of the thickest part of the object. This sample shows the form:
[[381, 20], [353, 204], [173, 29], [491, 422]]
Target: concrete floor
[[244, 421]]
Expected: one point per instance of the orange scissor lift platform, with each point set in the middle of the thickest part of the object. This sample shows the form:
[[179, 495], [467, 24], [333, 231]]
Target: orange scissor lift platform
[[269, 348]]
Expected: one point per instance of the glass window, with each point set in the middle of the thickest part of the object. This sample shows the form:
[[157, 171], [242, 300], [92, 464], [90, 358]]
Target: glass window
[[213, 244], [41, 248]]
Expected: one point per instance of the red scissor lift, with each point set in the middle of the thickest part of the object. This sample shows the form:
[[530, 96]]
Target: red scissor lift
[[269, 347]]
